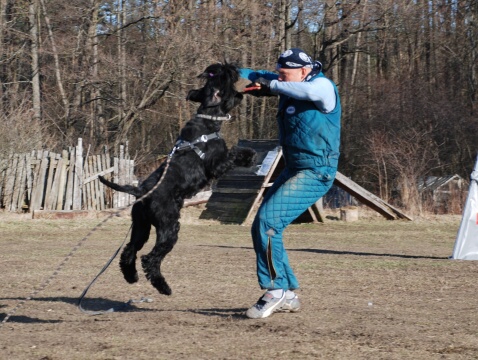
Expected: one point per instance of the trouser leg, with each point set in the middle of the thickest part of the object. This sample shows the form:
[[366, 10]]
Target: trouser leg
[[292, 193]]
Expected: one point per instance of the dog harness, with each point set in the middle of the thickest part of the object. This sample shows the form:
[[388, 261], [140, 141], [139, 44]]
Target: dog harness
[[186, 145]]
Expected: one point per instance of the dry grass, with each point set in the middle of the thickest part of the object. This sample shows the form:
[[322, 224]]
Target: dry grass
[[372, 289]]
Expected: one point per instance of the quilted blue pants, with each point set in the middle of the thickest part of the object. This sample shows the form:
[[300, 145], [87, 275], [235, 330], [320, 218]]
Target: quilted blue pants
[[290, 195]]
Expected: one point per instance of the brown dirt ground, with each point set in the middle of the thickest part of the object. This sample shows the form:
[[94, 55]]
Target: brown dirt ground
[[371, 289]]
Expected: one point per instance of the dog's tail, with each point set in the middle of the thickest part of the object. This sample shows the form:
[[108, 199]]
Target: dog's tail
[[129, 189]]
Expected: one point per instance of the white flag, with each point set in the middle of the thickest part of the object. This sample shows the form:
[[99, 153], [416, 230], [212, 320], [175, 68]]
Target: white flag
[[466, 244]]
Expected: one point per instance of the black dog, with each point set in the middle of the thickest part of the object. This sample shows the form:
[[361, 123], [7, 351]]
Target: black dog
[[199, 156]]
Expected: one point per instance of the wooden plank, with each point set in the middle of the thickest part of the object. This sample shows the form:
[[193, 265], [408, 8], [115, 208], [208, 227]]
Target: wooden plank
[[253, 184], [95, 176], [9, 189], [21, 181], [29, 178], [236, 191], [121, 176], [92, 164], [115, 179], [99, 185], [87, 203], [55, 183], [52, 162], [70, 175], [62, 180], [39, 189], [318, 209], [78, 175], [132, 199], [368, 198], [107, 191], [16, 187], [258, 199], [36, 164]]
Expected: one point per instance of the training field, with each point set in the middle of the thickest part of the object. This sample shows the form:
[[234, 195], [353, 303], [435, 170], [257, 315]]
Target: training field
[[371, 289]]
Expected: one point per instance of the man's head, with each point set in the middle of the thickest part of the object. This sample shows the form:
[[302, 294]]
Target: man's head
[[294, 65]]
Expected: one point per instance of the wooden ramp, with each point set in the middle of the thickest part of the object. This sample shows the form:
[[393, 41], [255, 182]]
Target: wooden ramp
[[237, 195], [369, 199]]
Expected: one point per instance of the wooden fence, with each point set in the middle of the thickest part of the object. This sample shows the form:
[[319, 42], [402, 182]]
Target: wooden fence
[[43, 180]]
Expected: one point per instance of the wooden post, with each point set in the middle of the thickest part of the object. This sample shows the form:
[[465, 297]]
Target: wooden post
[[52, 161], [9, 181], [39, 189], [62, 179], [115, 179], [29, 176], [78, 175], [86, 196], [70, 176], [99, 189], [21, 181]]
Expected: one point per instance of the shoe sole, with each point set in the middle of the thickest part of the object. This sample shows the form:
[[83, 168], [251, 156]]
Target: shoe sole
[[288, 310], [257, 315]]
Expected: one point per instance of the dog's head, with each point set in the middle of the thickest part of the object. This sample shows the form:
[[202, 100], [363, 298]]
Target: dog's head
[[219, 91]]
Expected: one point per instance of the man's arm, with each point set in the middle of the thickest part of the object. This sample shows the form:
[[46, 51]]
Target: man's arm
[[320, 91], [253, 75]]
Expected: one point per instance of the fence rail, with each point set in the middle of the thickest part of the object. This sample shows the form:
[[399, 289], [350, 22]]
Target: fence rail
[[44, 180]]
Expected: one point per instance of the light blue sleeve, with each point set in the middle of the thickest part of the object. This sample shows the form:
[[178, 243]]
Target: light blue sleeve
[[320, 90], [253, 75]]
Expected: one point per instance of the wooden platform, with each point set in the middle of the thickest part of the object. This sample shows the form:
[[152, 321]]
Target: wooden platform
[[237, 195]]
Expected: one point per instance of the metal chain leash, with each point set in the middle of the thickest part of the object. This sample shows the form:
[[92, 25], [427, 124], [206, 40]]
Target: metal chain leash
[[79, 244]]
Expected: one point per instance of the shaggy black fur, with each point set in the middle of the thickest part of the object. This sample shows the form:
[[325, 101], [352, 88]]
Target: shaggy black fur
[[186, 175]]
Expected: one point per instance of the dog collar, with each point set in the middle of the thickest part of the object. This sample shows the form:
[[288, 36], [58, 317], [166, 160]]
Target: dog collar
[[185, 145], [217, 118]]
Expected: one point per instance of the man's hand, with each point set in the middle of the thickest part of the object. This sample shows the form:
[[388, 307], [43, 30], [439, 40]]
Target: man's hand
[[264, 84], [261, 87]]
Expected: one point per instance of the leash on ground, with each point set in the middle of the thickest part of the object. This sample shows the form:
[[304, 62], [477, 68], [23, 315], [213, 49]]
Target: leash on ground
[[78, 245]]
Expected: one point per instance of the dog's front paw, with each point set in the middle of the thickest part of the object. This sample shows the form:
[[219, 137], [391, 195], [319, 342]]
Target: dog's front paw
[[244, 156]]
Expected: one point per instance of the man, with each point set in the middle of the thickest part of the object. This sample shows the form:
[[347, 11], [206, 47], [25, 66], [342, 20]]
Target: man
[[309, 132]]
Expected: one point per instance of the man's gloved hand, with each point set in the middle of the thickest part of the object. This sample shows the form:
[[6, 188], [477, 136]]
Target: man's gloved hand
[[261, 87], [264, 84]]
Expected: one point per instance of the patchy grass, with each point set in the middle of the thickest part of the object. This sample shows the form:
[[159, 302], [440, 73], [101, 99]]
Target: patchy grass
[[372, 289]]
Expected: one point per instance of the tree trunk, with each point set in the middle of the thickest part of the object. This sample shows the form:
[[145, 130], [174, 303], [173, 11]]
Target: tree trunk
[[63, 96], [35, 65]]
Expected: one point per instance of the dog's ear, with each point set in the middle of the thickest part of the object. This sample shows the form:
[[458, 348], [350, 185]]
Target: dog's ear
[[211, 71], [195, 95], [238, 98]]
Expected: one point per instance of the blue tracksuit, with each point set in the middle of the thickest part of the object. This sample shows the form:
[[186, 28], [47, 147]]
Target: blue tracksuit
[[309, 134]]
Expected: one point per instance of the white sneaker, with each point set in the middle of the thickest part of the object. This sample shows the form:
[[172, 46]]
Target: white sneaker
[[291, 305], [265, 306]]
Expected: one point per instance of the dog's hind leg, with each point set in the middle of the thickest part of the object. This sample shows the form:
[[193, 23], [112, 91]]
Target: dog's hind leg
[[139, 236], [166, 239]]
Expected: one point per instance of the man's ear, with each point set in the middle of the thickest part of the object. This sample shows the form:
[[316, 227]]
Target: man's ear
[[305, 71]]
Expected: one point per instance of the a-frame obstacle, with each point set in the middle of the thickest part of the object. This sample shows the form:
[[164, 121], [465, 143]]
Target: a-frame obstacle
[[237, 195]]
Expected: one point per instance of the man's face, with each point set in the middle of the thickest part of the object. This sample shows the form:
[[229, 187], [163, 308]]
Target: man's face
[[294, 75]]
